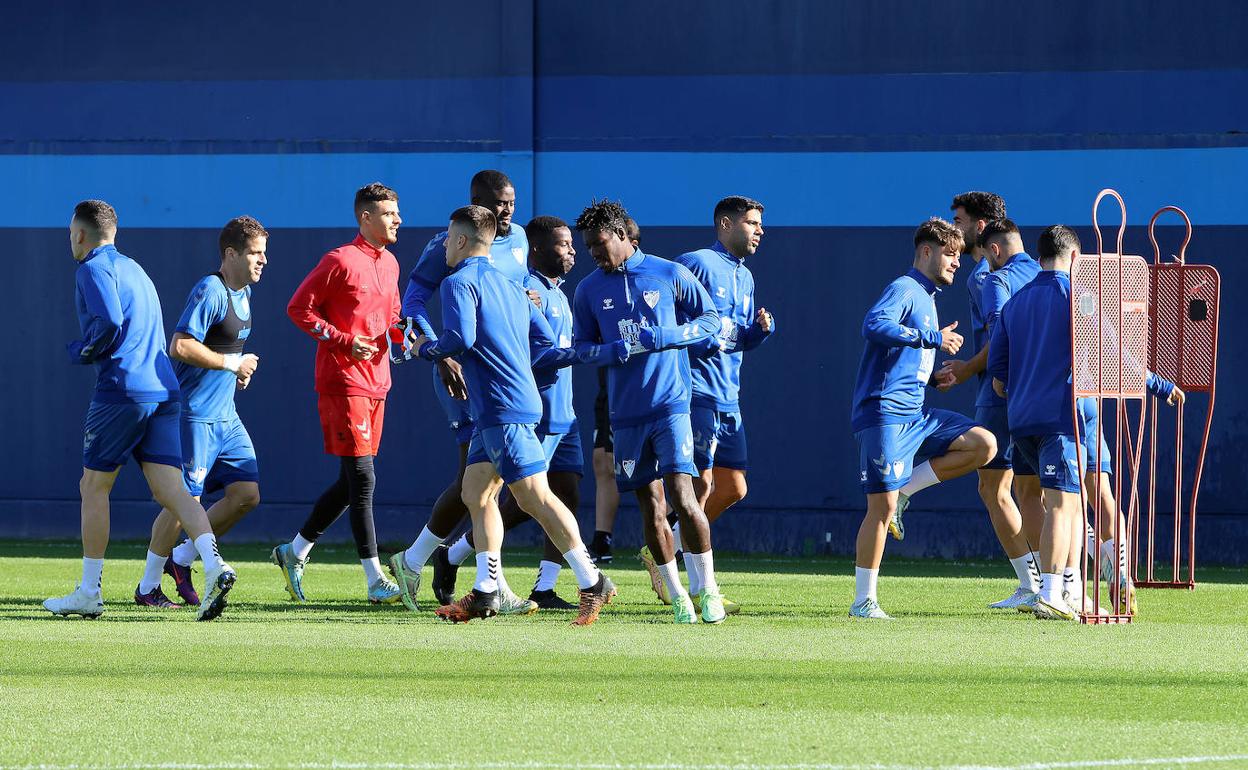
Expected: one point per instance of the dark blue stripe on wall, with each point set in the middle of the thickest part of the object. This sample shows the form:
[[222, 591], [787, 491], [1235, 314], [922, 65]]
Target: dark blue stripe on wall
[[802, 113], [275, 39], [443, 114], [659, 37]]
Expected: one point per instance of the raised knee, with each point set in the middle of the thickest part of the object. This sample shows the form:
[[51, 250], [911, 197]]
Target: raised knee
[[247, 501]]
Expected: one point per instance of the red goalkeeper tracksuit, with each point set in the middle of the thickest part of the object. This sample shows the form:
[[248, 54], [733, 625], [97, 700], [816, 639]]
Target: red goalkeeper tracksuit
[[354, 290]]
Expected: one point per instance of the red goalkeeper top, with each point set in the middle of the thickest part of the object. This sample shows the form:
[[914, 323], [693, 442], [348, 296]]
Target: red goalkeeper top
[[354, 290]]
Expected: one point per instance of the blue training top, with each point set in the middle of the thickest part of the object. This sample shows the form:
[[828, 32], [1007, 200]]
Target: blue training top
[[999, 285], [902, 335], [123, 332], [644, 292], [554, 384], [489, 318], [715, 363], [979, 331], [1030, 353], [219, 317]]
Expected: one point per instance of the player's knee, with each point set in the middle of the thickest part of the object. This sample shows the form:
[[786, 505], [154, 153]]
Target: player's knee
[[737, 488], [983, 444], [245, 497], [604, 466]]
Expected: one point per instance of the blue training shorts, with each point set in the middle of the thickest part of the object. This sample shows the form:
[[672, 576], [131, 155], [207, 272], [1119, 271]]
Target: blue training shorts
[[457, 414], [217, 454], [563, 451], [887, 454], [1055, 455], [650, 451], [718, 439], [513, 448], [114, 432], [1090, 436], [994, 419]]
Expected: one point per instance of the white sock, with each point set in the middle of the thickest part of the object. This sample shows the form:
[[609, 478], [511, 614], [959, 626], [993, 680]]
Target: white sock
[[302, 547], [1107, 555], [547, 575], [1073, 585], [676, 544], [922, 478], [671, 579], [489, 568], [1091, 533], [583, 567], [864, 583], [704, 563], [372, 570], [1051, 587], [1033, 569], [417, 555], [691, 570], [152, 570], [459, 551], [206, 544], [92, 576], [185, 553], [1022, 568]]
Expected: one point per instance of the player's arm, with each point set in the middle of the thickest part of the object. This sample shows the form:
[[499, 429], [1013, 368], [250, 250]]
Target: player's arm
[[204, 308], [422, 282], [544, 353], [882, 324], [999, 359], [1164, 389], [587, 337], [100, 332], [694, 303], [460, 303], [305, 305]]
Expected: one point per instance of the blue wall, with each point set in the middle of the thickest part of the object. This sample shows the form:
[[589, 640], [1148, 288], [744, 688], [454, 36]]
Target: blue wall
[[851, 121]]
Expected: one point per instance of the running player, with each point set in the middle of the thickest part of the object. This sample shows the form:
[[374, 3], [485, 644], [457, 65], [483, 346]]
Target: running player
[[489, 320], [719, 446], [1029, 344], [972, 211], [606, 494], [642, 299], [509, 255], [893, 426], [348, 303], [551, 257], [210, 365], [134, 409]]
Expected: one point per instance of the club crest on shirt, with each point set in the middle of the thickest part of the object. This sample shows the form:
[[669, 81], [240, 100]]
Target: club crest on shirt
[[629, 466], [518, 253], [651, 297]]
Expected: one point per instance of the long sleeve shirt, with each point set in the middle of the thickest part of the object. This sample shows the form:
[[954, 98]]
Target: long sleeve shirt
[[352, 291], [979, 331], [644, 292], [509, 254], [999, 285], [554, 384], [123, 332], [902, 334], [1030, 352], [715, 364], [500, 338]]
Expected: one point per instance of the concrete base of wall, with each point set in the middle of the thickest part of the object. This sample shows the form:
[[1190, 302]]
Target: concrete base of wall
[[1220, 539]]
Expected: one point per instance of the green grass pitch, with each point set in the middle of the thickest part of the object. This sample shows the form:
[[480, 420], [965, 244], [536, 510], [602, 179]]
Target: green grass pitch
[[790, 683]]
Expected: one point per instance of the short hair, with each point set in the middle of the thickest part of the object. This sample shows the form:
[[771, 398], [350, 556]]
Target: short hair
[[97, 215], [937, 230], [996, 228], [980, 205], [369, 194], [478, 219], [543, 228], [632, 230], [1057, 240], [488, 180], [736, 205], [237, 232], [603, 215]]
